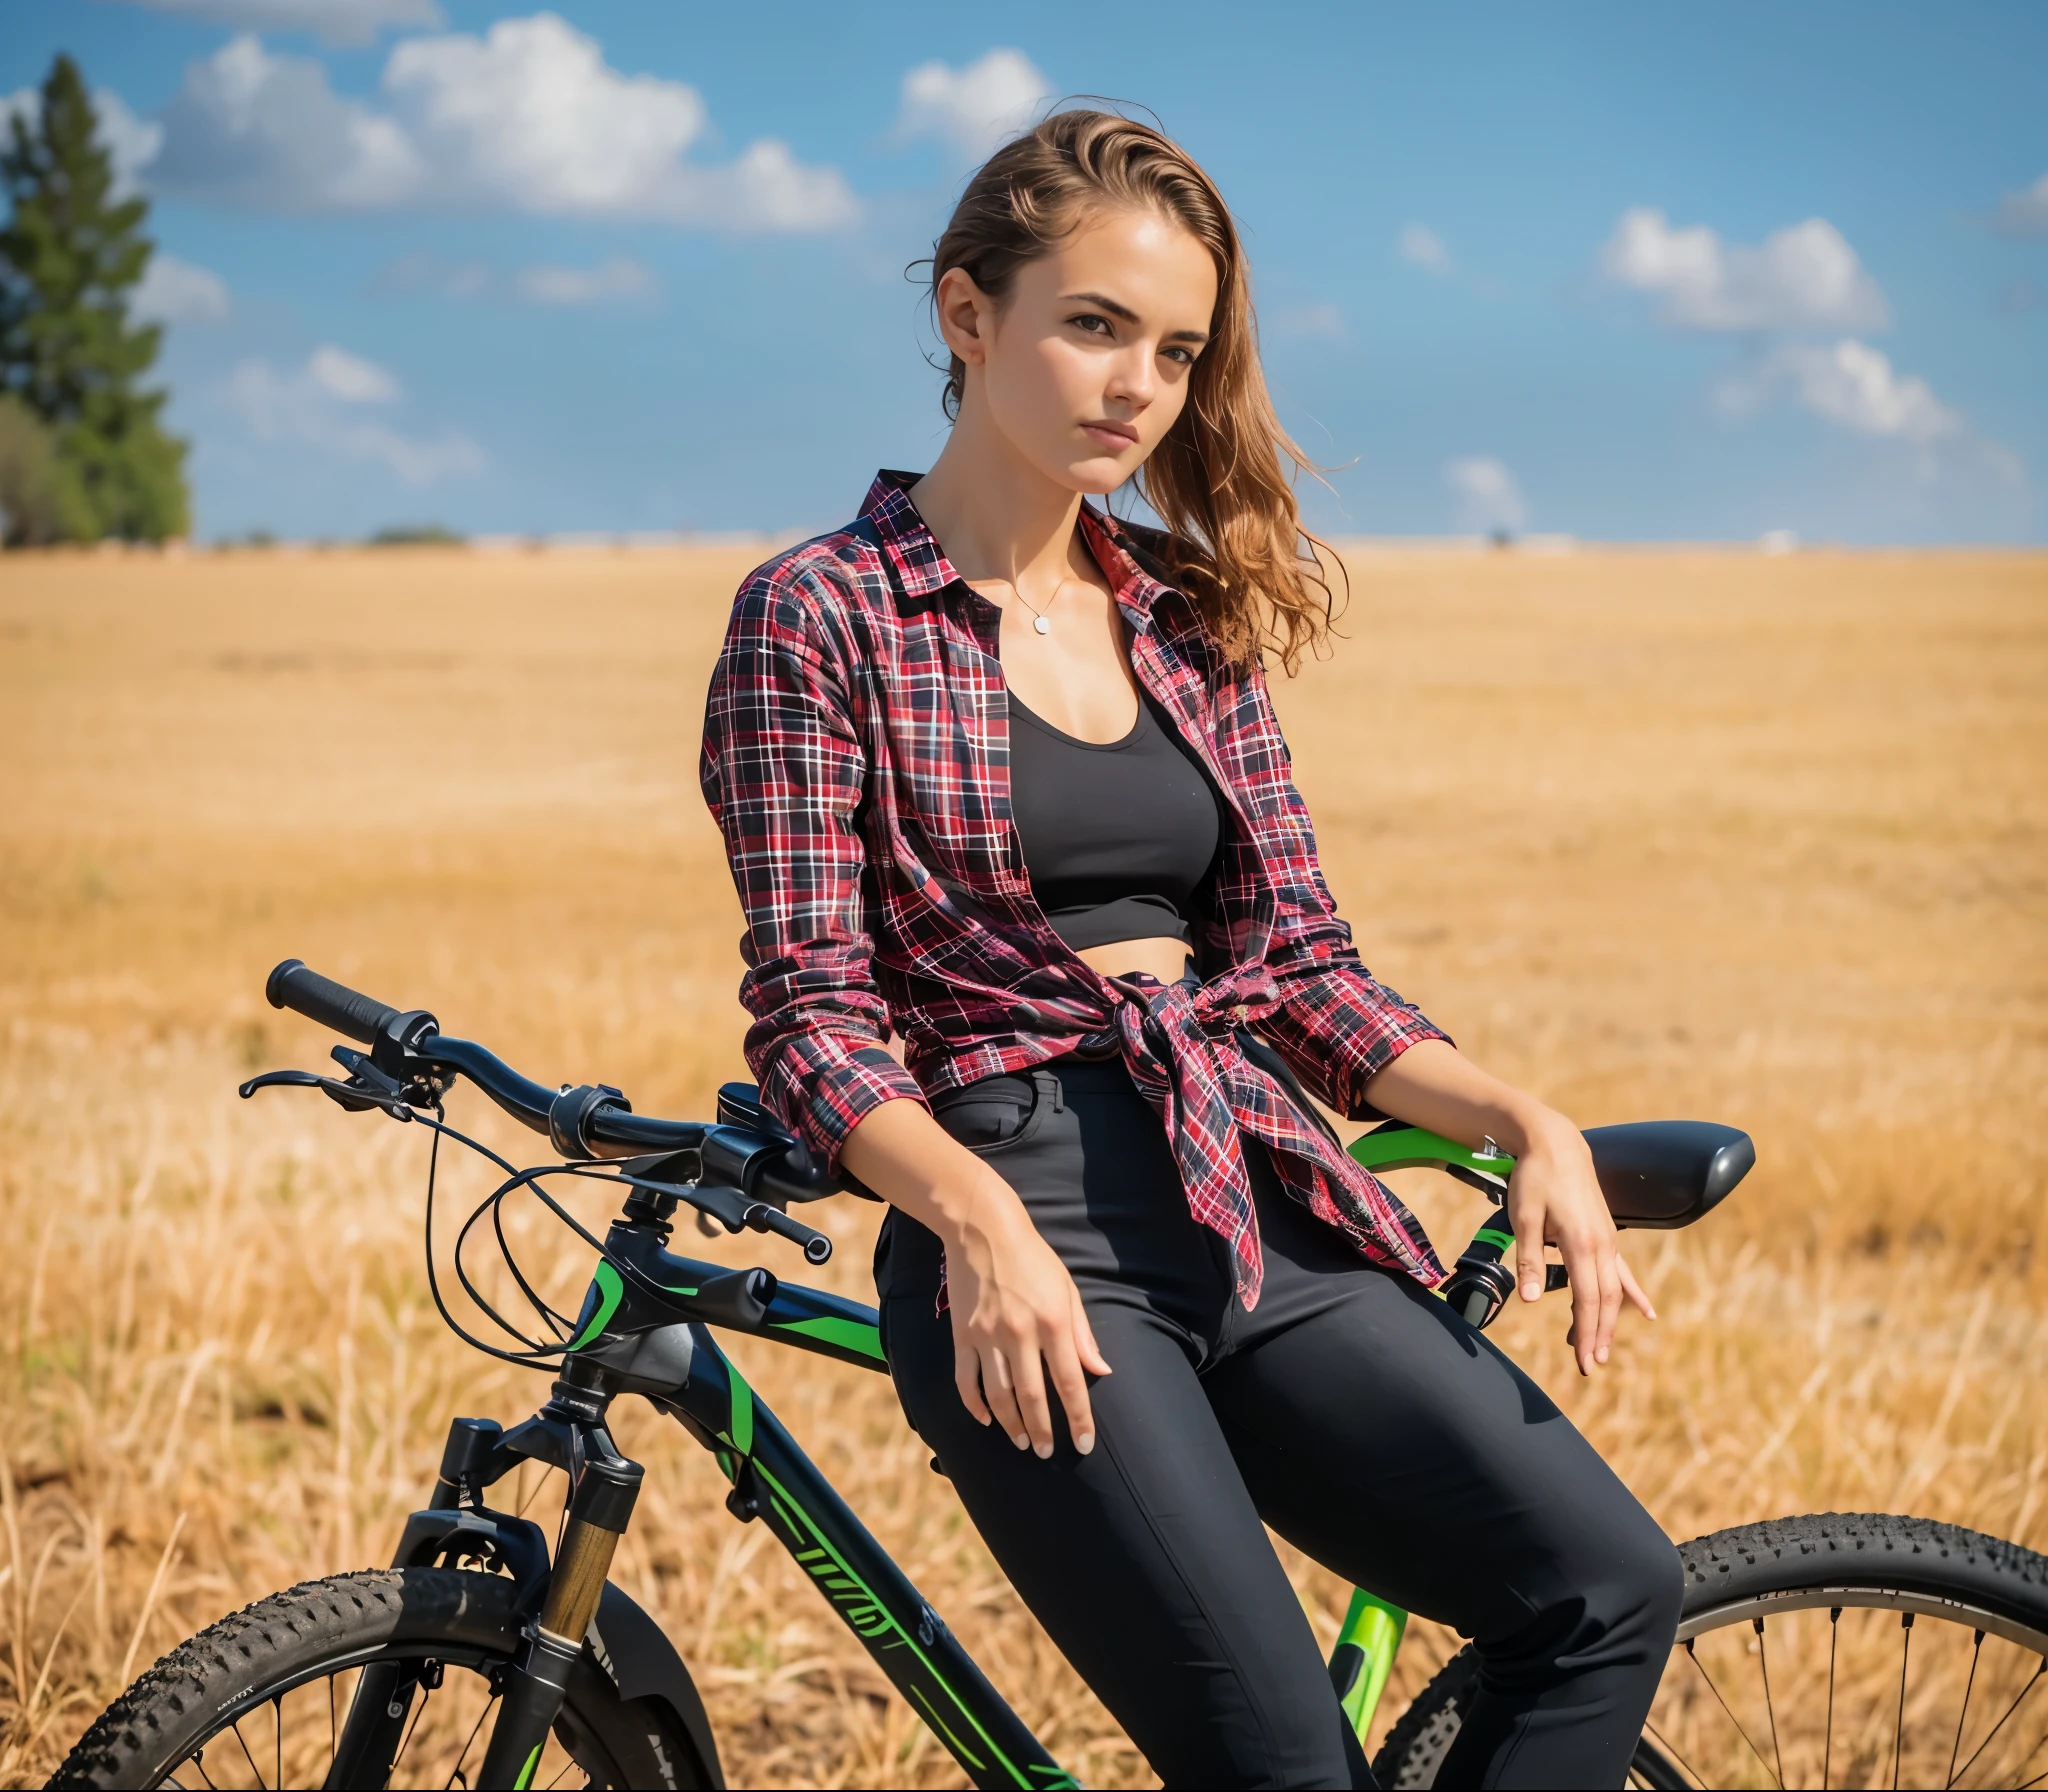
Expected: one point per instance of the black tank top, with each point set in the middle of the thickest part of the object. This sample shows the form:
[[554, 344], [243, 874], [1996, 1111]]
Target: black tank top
[[1120, 837]]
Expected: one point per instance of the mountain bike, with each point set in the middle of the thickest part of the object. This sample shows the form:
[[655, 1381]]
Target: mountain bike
[[1831, 1650]]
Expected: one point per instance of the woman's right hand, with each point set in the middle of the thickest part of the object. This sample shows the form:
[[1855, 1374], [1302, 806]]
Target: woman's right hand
[[1018, 1322], [1017, 1316]]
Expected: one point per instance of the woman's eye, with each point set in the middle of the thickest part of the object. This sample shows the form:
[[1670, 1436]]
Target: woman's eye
[[1092, 321], [1184, 356]]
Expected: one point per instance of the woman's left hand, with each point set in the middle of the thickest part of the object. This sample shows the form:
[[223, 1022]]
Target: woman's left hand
[[1554, 1198], [1553, 1195]]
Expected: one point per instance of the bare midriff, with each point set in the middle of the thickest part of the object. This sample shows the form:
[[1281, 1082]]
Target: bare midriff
[[1164, 958]]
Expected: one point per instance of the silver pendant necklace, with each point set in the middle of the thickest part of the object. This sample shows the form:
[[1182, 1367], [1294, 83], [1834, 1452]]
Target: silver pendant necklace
[[1041, 620]]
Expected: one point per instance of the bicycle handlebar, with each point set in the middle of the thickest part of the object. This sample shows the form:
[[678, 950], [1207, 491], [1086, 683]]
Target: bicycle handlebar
[[764, 1164], [295, 986]]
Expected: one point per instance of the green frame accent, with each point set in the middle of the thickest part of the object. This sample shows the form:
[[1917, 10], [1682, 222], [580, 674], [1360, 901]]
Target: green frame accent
[[610, 1289], [851, 1334], [1374, 1628], [1410, 1147]]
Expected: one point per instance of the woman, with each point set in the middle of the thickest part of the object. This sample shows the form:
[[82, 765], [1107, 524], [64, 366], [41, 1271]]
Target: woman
[[1001, 773]]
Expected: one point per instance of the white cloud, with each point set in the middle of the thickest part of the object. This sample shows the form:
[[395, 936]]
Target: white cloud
[[613, 278], [1488, 495], [2025, 213], [176, 292], [259, 129], [1421, 247], [528, 117], [332, 21], [972, 108], [1855, 387], [316, 407], [1804, 276], [349, 377], [131, 143]]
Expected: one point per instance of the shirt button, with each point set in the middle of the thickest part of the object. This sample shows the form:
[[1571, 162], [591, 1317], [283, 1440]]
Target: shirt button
[[1237, 1013]]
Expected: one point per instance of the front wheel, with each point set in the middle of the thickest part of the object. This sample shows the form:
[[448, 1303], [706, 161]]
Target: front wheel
[[264, 1698], [1839, 1650]]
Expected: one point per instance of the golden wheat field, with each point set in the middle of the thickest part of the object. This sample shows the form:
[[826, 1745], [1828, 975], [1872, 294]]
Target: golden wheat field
[[1718, 836]]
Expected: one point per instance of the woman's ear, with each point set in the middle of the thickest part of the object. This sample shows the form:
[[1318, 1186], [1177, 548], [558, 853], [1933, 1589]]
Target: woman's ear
[[966, 316]]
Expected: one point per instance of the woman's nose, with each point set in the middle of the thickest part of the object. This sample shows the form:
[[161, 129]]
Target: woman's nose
[[1131, 377]]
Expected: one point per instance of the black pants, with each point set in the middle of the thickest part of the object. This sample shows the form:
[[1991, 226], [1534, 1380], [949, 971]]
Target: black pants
[[1350, 1411]]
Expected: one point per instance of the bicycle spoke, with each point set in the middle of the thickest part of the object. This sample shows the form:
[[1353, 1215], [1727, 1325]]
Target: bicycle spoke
[[333, 1724], [2027, 1760], [419, 1711], [1827, 1753], [455, 1772], [277, 1711], [1962, 1717], [1763, 1663], [2019, 1699], [1673, 1753], [236, 1726], [1693, 1656], [199, 1761], [1899, 1732]]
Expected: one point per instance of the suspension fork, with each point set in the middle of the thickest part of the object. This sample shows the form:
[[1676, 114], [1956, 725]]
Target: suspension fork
[[567, 1433], [599, 1510]]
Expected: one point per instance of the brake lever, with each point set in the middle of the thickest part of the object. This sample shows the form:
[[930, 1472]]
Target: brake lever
[[357, 1098]]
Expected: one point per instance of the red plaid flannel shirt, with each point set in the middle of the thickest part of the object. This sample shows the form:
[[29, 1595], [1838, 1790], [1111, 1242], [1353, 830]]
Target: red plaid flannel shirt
[[856, 758]]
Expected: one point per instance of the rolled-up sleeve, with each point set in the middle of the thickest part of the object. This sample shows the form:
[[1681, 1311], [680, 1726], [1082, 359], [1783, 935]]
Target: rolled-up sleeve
[[1337, 1026], [783, 772]]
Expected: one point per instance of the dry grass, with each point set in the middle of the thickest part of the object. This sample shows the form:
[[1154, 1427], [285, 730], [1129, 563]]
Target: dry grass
[[1744, 839]]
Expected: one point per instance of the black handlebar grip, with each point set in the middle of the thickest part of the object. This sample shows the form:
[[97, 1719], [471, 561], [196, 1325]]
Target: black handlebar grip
[[332, 1004]]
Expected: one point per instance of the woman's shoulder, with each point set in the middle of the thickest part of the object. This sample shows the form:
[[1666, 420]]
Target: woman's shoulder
[[847, 560], [819, 583]]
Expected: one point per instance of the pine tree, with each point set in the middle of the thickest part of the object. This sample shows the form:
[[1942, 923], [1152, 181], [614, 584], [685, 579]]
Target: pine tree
[[70, 255]]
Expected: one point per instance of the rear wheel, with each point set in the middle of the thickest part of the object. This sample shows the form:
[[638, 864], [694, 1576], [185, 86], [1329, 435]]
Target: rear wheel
[[263, 1697], [1840, 1650]]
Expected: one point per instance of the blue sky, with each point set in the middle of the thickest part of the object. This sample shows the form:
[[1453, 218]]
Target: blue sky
[[1621, 272]]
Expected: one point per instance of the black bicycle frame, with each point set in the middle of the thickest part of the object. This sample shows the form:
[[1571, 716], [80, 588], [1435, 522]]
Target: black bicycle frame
[[643, 1329]]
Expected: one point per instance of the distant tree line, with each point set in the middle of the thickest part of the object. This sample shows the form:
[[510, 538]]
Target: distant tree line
[[84, 455]]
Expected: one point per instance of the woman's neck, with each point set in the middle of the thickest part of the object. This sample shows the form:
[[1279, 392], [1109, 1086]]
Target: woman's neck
[[996, 516]]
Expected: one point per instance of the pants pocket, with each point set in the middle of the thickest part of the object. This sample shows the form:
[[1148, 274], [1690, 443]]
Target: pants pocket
[[996, 1112]]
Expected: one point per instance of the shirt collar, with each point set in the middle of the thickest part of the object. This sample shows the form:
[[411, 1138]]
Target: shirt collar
[[922, 565]]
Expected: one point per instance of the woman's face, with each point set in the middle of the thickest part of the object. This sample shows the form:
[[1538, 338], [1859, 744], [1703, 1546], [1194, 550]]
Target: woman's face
[[1085, 368]]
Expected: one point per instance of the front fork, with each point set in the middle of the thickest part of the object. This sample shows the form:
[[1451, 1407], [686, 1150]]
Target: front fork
[[599, 1511], [568, 1433]]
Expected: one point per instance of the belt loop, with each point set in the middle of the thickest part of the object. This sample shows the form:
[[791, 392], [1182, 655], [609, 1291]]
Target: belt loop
[[1047, 1083]]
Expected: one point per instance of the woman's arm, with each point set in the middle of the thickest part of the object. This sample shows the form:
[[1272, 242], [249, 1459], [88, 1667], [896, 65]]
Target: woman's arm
[[783, 772], [1553, 1195], [1017, 1316]]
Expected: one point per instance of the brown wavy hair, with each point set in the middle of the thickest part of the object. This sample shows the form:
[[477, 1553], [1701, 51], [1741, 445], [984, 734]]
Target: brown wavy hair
[[1222, 480]]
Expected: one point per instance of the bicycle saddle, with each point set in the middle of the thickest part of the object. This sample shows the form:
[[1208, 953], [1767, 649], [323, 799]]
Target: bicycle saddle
[[1663, 1174]]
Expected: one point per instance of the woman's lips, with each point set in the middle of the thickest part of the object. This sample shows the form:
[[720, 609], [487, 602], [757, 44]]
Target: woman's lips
[[1114, 436]]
